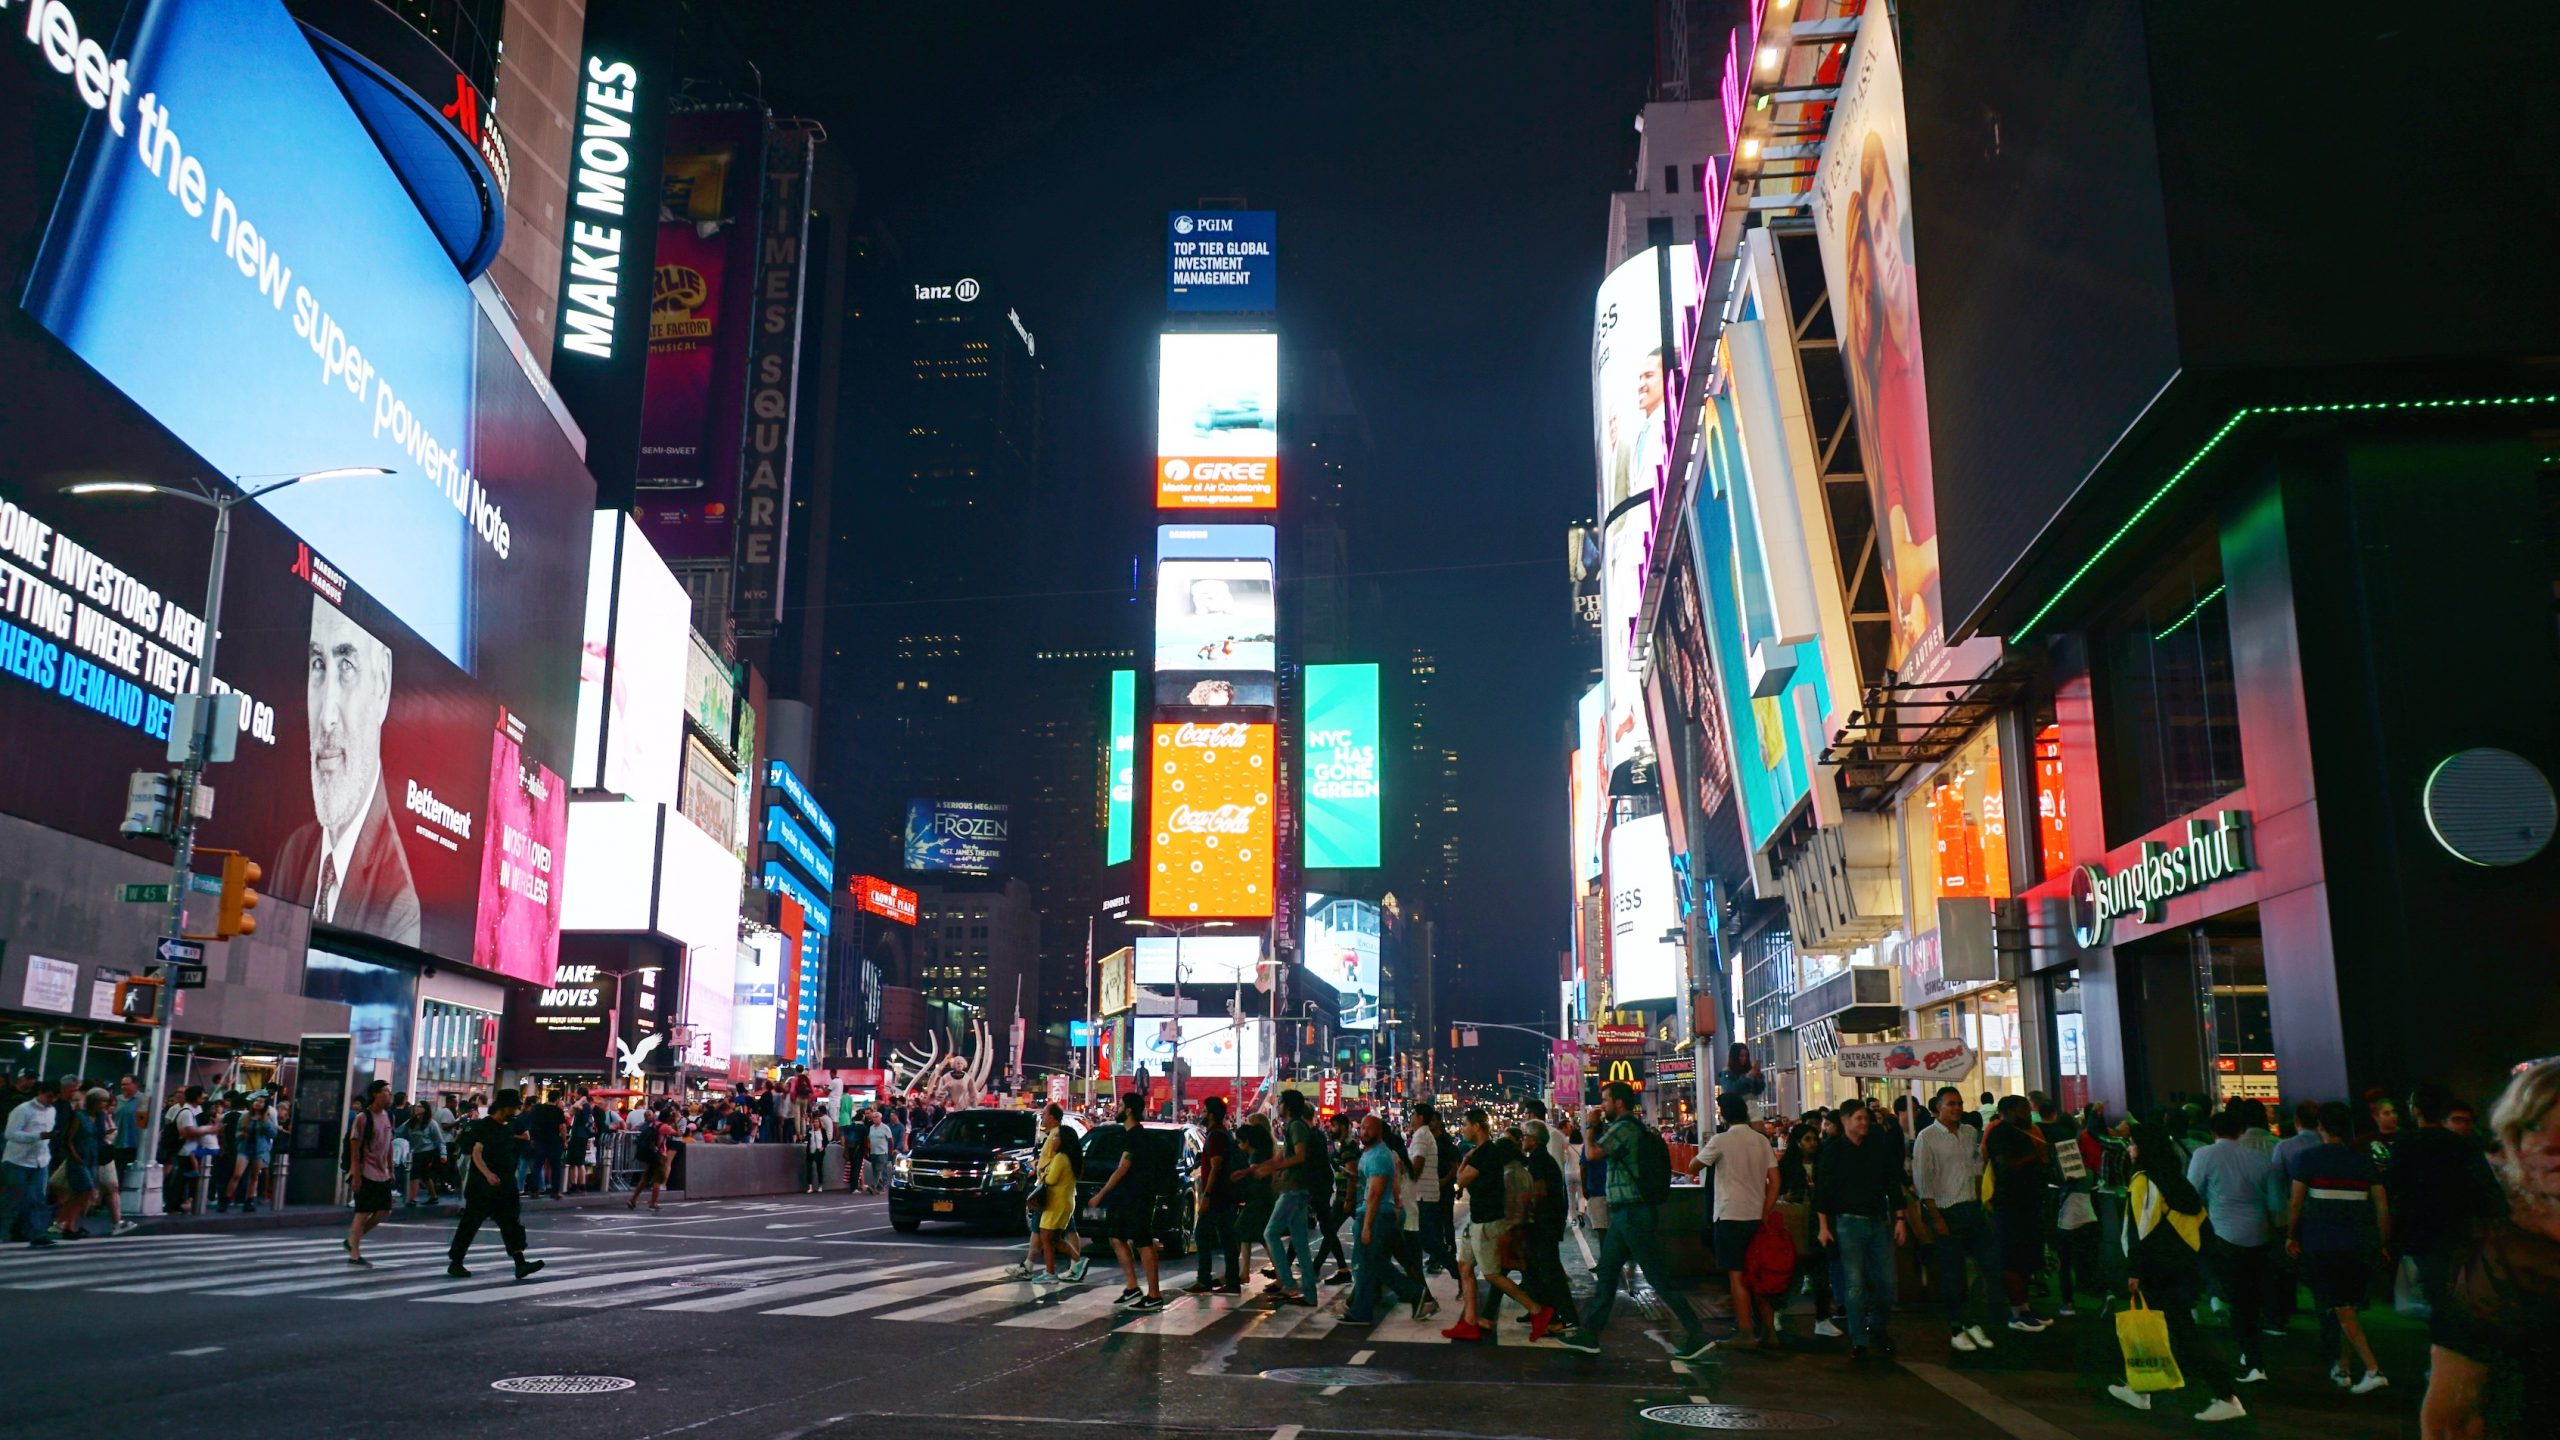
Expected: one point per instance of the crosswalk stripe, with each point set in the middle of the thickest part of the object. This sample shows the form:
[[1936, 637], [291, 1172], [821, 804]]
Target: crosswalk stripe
[[1400, 1328], [1003, 1295], [227, 1275], [357, 1277], [815, 1285], [610, 1299], [542, 1289], [499, 1275], [891, 1293], [1282, 1322], [110, 1252], [1187, 1315], [178, 1271], [1069, 1311]]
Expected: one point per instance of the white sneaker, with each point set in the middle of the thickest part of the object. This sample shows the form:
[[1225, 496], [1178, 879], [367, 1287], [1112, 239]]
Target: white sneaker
[[1961, 1342], [1017, 1272], [1978, 1337], [2221, 1410], [2338, 1376], [2373, 1380], [1826, 1329], [2130, 1396], [2255, 1376]]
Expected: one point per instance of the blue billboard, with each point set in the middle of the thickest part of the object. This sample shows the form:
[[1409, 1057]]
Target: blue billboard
[[1221, 262], [783, 780], [795, 844], [962, 837], [231, 250]]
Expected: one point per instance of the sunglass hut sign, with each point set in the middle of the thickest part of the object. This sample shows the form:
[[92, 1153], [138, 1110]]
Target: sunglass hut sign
[[2215, 849]]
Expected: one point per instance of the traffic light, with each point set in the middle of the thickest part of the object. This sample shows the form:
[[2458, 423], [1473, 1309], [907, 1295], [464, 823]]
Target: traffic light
[[138, 1001], [239, 872]]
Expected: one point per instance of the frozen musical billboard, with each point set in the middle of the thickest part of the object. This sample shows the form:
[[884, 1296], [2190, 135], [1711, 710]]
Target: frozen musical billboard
[[1210, 828]]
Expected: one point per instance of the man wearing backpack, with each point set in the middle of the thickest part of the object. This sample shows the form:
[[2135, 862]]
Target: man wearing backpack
[[649, 1147], [1639, 1182]]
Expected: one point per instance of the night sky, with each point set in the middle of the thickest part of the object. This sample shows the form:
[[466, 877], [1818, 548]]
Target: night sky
[[1441, 173]]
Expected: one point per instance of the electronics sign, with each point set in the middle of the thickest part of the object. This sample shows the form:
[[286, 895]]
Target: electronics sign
[[1209, 799], [1342, 767], [1221, 261], [269, 302], [1120, 769], [1218, 422], [963, 837]]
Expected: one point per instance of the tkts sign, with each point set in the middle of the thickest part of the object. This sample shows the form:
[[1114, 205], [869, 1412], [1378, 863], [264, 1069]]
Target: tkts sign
[[2215, 849]]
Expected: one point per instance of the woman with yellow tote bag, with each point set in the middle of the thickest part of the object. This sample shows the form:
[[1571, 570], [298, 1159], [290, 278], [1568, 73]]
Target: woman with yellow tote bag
[[2163, 1238]]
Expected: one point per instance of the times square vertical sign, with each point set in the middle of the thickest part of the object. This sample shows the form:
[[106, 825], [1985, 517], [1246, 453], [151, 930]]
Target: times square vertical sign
[[773, 369]]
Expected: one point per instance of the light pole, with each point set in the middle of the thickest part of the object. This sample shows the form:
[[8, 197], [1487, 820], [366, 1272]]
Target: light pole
[[1181, 930], [220, 502]]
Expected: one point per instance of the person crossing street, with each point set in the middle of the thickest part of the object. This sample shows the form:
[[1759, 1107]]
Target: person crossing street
[[489, 1192]]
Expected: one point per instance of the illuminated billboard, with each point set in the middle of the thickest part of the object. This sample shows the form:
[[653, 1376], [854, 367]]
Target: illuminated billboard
[[1629, 334], [962, 837], [694, 396], [1342, 950], [631, 677], [879, 897], [1211, 1046], [1644, 911], [1209, 804], [1220, 261], [1342, 776], [259, 296], [699, 885], [1212, 959], [1214, 615], [1218, 422], [755, 1015], [1120, 768]]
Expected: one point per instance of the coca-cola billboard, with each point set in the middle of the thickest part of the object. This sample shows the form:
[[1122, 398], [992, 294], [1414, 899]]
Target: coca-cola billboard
[[1211, 833]]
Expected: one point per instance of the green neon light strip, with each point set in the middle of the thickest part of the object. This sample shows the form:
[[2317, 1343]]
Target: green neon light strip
[[2192, 612], [2344, 407]]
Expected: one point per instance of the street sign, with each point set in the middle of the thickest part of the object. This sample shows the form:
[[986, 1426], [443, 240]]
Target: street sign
[[204, 884], [172, 950], [143, 894], [186, 977]]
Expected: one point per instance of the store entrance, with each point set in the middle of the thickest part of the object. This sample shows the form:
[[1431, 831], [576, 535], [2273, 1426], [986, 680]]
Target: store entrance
[[2196, 1024]]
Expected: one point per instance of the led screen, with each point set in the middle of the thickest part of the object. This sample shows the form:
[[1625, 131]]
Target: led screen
[[1342, 784], [1643, 911], [1629, 334], [1212, 959], [699, 887], [1590, 784], [1209, 805], [881, 898], [1212, 1047], [1216, 615], [1342, 950], [693, 400], [1120, 769], [1220, 260], [612, 866], [755, 1019], [631, 678], [403, 644], [963, 837], [1218, 422]]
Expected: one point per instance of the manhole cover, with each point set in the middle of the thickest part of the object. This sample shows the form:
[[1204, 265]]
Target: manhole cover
[[561, 1384], [1332, 1375], [1737, 1417]]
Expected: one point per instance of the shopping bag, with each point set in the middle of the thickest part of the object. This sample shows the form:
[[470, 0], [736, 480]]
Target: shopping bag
[[2408, 1294], [1769, 1262], [2149, 1364]]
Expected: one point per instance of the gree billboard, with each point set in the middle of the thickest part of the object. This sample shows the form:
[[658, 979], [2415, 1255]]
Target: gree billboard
[[1342, 767], [1209, 804], [1119, 768], [1218, 422]]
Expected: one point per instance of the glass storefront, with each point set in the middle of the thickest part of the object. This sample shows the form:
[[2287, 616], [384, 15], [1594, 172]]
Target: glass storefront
[[1958, 825], [2069, 1038], [2196, 1018], [1987, 1022], [457, 1048]]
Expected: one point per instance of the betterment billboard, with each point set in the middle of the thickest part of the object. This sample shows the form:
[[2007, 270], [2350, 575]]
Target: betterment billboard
[[231, 282]]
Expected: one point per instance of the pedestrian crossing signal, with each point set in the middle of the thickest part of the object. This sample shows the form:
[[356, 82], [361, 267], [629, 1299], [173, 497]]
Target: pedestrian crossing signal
[[138, 1001]]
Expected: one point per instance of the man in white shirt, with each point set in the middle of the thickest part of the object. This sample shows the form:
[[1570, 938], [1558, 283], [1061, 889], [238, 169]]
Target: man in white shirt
[[1560, 1149], [22, 1165], [1946, 1173], [1434, 1211], [1746, 1167]]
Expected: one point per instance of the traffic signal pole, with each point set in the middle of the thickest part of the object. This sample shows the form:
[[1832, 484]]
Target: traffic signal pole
[[182, 867]]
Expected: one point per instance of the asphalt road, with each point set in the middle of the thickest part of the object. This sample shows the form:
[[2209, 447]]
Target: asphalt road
[[810, 1317]]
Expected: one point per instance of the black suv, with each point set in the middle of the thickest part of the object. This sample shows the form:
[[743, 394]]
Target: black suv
[[975, 1168]]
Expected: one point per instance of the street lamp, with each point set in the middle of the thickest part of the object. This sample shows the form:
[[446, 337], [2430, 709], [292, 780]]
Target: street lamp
[[1181, 930], [199, 721]]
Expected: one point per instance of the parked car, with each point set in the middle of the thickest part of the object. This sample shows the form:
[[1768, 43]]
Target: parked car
[[975, 1168]]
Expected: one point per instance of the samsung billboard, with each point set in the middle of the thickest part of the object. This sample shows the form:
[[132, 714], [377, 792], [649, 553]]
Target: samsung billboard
[[232, 282]]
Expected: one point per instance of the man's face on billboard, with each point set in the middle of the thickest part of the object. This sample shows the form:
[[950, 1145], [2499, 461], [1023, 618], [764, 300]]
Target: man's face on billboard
[[350, 692], [1649, 383]]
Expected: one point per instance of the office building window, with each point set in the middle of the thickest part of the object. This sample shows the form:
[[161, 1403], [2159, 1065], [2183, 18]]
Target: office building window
[[2169, 715]]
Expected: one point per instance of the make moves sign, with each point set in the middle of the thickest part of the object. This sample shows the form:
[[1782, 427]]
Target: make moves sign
[[1210, 840]]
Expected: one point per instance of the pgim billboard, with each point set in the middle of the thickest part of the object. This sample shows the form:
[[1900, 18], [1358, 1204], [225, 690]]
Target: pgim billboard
[[1210, 791], [1218, 422], [1342, 771]]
